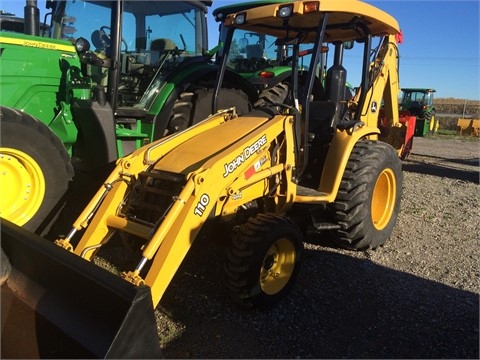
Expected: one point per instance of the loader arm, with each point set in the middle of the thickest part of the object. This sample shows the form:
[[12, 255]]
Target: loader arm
[[164, 201]]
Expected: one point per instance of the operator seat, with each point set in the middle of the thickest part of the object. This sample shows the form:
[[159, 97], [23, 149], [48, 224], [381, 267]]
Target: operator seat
[[254, 51], [159, 47], [321, 120], [162, 45], [415, 108]]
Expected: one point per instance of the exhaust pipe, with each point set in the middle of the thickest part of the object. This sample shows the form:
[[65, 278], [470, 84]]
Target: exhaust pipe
[[58, 305], [32, 18]]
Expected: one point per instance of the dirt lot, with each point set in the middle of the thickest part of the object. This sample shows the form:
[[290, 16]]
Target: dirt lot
[[416, 297]]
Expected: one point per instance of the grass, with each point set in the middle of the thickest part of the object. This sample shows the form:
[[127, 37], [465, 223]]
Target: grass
[[447, 132]]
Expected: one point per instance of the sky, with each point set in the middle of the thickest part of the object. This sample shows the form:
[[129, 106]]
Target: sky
[[441, 48]]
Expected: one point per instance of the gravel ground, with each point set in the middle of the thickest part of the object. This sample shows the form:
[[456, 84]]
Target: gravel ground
[[415, 297]]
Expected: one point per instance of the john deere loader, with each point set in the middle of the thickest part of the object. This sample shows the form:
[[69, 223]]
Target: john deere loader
[[260, 182]]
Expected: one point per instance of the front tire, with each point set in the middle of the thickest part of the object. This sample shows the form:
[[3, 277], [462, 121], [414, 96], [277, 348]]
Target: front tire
[[368, 200], [34, 167], [263, 260]]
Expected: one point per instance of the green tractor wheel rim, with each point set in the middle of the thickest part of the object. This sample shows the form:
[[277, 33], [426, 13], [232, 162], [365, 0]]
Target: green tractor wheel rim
[[23, 186], [383, 199], [278, 266]]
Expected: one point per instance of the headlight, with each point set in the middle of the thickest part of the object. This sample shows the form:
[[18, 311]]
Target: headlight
[[240, 19], [82, 45], [285, 11]]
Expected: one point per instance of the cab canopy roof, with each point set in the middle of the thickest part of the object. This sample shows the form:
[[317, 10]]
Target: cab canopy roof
[[418, 90], [221, 12], [348, 20]]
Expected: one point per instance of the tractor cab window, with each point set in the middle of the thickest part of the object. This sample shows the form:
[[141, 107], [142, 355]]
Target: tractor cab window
[[420, 98], [73, 19], [251, 52], [160, 36], [156, 37], [144, 24]]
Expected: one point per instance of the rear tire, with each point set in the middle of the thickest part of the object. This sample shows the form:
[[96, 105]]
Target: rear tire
[[195, 105], [277, 94], [263, 261], [368, 200], [35, 167]]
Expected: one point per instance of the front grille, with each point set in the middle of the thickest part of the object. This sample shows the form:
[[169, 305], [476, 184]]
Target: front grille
[[152, 195]]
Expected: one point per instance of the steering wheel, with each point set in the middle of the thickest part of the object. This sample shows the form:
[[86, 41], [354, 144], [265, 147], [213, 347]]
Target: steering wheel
[[101, 39]]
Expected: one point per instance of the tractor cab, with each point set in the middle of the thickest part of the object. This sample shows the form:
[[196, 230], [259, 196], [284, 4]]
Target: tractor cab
[[416, 100], [147, 39], [419, 102]]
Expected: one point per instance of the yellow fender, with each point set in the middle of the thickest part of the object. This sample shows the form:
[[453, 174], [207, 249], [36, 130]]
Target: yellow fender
[[338, 155]]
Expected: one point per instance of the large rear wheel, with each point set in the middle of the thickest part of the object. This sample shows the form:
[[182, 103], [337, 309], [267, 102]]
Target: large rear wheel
[[195, 105], [369, 197], [263, 260], [35, 169], [277, 94]]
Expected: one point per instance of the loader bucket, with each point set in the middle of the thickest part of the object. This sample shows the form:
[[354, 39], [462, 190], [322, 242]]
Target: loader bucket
[[58, 305]]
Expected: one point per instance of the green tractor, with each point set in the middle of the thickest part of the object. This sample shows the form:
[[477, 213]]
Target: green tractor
[[419, 102], [100, 80]]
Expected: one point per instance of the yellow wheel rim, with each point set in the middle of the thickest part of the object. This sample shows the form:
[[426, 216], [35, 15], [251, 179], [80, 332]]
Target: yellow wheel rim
[[23, 186], [383, 199], [277, 267], [435, 124]]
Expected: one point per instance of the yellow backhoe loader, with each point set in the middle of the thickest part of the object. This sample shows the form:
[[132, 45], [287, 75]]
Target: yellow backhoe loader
[[319, 161]]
